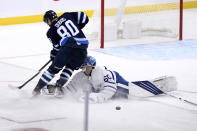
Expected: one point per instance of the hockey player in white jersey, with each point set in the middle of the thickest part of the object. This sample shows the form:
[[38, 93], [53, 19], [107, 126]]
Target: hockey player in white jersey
[[105, 84]]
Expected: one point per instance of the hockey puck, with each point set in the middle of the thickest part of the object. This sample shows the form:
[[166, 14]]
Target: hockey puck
[[118, 107]]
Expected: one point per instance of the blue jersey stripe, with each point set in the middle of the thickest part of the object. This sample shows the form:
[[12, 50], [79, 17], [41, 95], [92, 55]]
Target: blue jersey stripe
[[112, 74], [63, 41], [79, 40]]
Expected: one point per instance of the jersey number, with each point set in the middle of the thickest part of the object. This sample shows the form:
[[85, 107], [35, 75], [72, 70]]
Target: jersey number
[[63, 32]]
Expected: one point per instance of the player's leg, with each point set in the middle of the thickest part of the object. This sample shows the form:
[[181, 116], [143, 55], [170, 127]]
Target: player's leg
[[46, 77], [58, 63], [62, 59], [76, 59], [64, 77]]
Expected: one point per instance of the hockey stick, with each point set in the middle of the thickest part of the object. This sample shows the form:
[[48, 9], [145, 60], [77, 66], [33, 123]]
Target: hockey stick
[[147, 85], [20, 87], [181, 99]]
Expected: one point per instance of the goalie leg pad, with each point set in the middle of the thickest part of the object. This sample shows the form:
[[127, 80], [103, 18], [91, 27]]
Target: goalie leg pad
[[165, 83], [147, 85], [137, 91], [153, 87], [143, 89]]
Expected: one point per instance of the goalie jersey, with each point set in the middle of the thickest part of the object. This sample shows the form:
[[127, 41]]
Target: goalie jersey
[[67, 31], [104, 84]]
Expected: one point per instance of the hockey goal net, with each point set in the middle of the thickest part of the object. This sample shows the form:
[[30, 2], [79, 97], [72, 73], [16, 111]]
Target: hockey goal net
[[137, 21]]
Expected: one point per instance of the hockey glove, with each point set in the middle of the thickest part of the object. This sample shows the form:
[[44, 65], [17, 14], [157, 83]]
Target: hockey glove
[[53, 54]]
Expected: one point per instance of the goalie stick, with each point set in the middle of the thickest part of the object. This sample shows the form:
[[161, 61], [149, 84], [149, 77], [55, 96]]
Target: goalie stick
[[21, 86], [181, 99], [156, 91]]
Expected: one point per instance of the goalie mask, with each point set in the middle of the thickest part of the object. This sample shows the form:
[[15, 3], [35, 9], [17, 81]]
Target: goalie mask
[[89, 61]]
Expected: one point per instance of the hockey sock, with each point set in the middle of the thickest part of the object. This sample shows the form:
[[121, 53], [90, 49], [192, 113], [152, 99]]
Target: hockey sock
[[46, 77]]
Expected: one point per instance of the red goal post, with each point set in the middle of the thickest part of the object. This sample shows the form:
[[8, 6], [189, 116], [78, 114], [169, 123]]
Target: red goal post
[[145, 9]]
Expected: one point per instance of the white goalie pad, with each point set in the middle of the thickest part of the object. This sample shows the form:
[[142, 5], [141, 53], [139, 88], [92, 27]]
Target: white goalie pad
[[137, 91], [153, 87], [165, 83]]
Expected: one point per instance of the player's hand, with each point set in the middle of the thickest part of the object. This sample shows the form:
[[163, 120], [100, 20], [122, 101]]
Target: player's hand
[[52, 57], [53, 54]]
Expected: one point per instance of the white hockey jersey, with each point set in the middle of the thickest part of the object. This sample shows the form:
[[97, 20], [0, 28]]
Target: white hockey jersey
[[102, 84], [105, 84]]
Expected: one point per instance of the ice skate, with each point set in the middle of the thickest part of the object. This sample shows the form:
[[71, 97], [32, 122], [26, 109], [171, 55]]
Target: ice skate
[[59, 92], [49, 89], [36, 92]]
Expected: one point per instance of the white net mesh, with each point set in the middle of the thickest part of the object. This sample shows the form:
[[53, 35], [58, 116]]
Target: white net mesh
[[137, 19]]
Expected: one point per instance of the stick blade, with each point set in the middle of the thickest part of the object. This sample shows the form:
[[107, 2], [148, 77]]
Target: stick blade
[[14, 87]]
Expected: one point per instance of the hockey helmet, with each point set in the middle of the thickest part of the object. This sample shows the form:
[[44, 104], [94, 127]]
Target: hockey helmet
[[89, 61], [49, 15]]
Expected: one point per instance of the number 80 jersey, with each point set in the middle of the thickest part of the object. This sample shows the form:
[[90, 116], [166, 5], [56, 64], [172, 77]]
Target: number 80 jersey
[[68, 27]]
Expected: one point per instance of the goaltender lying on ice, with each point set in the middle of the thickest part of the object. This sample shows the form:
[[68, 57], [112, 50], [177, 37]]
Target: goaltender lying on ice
[[104, 84]]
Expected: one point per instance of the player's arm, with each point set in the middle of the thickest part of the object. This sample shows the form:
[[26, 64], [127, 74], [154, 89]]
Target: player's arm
[[109, 89], [81, 18], [56, 46], [77, 83], [54, 52], [104, 95]]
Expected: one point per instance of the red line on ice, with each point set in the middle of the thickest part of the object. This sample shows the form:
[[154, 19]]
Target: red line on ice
[[32, 121]]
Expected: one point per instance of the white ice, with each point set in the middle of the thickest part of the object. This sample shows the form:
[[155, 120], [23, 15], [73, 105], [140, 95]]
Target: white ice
[[25, 48]]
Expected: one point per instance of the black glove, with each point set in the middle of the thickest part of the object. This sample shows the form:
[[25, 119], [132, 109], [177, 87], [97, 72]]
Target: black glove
[[53, 54]]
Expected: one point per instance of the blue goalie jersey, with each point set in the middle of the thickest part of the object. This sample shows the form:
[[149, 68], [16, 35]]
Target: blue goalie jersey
[[67, 31]]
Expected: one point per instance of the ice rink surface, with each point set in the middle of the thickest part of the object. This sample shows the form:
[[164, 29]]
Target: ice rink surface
[[25, 49]]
